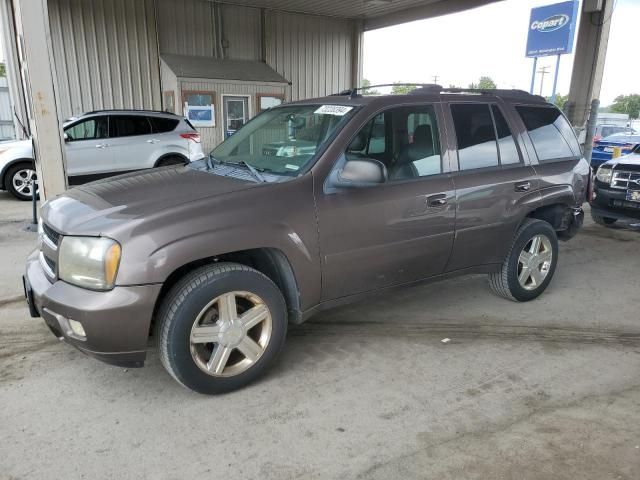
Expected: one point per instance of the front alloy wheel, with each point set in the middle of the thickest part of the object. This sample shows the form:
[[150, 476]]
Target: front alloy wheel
[[231, 334], [221, 327], [22, 181]]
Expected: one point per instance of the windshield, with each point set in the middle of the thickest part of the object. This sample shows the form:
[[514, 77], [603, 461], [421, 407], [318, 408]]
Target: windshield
[[283, 140]]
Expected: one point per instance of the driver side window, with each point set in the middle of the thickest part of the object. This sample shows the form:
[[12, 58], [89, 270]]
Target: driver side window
[[90, 129], [405, 139]]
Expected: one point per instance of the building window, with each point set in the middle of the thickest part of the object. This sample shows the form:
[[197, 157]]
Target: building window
[[199, 108], [268, 100], [169, 101]]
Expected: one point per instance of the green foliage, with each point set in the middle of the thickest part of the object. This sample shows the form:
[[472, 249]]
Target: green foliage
[[629, 104], [485, 83], [561, 100], [3, 70], [367, 83], [401, 89]]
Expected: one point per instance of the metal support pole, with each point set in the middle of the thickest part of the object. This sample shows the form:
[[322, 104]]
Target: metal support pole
[[533, 74], [555, 80], [591, 129]]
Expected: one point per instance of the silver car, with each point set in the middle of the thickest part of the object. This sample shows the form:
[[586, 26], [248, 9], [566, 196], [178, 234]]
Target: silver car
[[104, 143]]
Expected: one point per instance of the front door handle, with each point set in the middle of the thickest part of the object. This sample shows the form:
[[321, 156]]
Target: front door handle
[[522, 186], [436, 200], [102, 145]]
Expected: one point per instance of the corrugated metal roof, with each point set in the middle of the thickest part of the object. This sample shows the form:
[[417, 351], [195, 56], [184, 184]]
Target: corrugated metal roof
[[189, 66], [372, 11]]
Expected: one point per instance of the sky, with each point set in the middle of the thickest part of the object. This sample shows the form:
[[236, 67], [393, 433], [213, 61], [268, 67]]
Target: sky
[[490, 41]]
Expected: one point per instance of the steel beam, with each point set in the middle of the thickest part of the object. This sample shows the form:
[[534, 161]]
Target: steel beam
[[588, 64], [39, 77]]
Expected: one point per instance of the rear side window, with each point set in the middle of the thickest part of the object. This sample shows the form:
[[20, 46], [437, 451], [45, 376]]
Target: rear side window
[[551, 134], [129, 125], [163, 125], [475, 134]]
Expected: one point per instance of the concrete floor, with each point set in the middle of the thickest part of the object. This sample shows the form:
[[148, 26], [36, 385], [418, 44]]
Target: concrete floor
[[549, 389]]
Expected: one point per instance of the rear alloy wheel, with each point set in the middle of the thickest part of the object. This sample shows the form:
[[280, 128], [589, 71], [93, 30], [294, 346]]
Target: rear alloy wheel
[[21, 181], [606, 221], [529, 265], [221, 327]]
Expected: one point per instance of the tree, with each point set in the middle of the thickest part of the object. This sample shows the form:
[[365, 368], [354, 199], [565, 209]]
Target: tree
[[561, 100], [399, 89], [3, 70], [629, 104], [485, 83], [367, 91]]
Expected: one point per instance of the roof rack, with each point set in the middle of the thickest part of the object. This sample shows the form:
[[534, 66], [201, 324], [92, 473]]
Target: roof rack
[[352, 92], [433, 88], [131, 110], [501, 92]]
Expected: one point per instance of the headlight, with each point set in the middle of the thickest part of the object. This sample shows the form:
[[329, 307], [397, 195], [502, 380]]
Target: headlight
[[89, 262], [604, 174]]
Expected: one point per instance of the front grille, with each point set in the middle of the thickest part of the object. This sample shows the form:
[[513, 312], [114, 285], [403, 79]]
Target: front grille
[[51, 234], [623, 180], [50, 263]]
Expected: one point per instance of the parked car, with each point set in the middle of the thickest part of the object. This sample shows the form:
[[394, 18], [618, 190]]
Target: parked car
[[616, 190], [606, 130], [214, 259], [603, 149], [105, 143]]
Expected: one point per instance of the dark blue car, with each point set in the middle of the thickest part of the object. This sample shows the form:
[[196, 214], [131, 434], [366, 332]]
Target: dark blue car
[[603, 149]]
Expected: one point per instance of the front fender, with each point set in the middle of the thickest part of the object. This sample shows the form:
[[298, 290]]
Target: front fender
[[153, 248]]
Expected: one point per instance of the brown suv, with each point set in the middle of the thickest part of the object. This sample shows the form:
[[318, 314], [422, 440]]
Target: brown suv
[[310, 205]]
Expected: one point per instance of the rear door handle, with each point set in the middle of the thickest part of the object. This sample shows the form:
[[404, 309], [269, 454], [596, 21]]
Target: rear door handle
[[153, 140], [522, 186], [437, 200]]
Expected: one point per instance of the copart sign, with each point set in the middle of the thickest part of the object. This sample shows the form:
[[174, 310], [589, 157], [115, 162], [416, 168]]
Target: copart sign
[[551, 29]]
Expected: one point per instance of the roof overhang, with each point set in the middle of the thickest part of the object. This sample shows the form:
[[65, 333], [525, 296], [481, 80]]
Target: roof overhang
[[373, 13], [189, 66]]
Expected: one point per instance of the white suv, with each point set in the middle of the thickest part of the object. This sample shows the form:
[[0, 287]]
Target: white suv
[[105, 143]]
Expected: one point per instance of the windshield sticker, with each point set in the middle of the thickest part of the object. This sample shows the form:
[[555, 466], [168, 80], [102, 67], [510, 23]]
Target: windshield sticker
[[338, 110], [288, 166]]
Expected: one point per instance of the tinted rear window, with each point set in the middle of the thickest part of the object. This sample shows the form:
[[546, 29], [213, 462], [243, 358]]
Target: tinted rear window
[[475, 134], [129, 125], [163, 125], [550, 132]]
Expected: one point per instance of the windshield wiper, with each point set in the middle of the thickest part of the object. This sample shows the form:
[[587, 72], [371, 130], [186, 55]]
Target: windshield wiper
[[210, 161], [254, 171]]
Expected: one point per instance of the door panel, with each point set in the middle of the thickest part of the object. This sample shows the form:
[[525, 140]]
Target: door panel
[[495, 186], [235, 113], [399, 231], [87, 147], [380, 236], [131, 142]]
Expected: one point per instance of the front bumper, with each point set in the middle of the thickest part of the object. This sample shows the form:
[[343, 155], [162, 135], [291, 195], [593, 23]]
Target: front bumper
[[116, 322], [612, 203]]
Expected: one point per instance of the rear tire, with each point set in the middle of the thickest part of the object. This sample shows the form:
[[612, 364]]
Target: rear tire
[[221, 327], [530, 264], [20, 180], [605, 221], [171, 160]]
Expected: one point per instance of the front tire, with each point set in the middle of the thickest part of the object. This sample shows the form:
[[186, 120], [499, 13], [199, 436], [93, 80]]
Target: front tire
[[605, 221], [221, 327], [530, 264]]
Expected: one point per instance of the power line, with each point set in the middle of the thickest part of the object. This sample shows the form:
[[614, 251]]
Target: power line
[[542, 71]]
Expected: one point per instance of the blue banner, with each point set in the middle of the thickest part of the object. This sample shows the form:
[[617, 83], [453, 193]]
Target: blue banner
[[551, 29]]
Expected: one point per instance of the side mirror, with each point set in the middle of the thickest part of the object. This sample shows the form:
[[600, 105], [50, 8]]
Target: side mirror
[[364, 172], [66, 137]]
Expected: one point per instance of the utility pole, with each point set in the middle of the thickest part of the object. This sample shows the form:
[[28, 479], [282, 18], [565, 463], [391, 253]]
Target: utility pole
[[435, 79], [543, 71]]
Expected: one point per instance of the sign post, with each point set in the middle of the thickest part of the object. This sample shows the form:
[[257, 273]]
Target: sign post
[[551, 32]]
